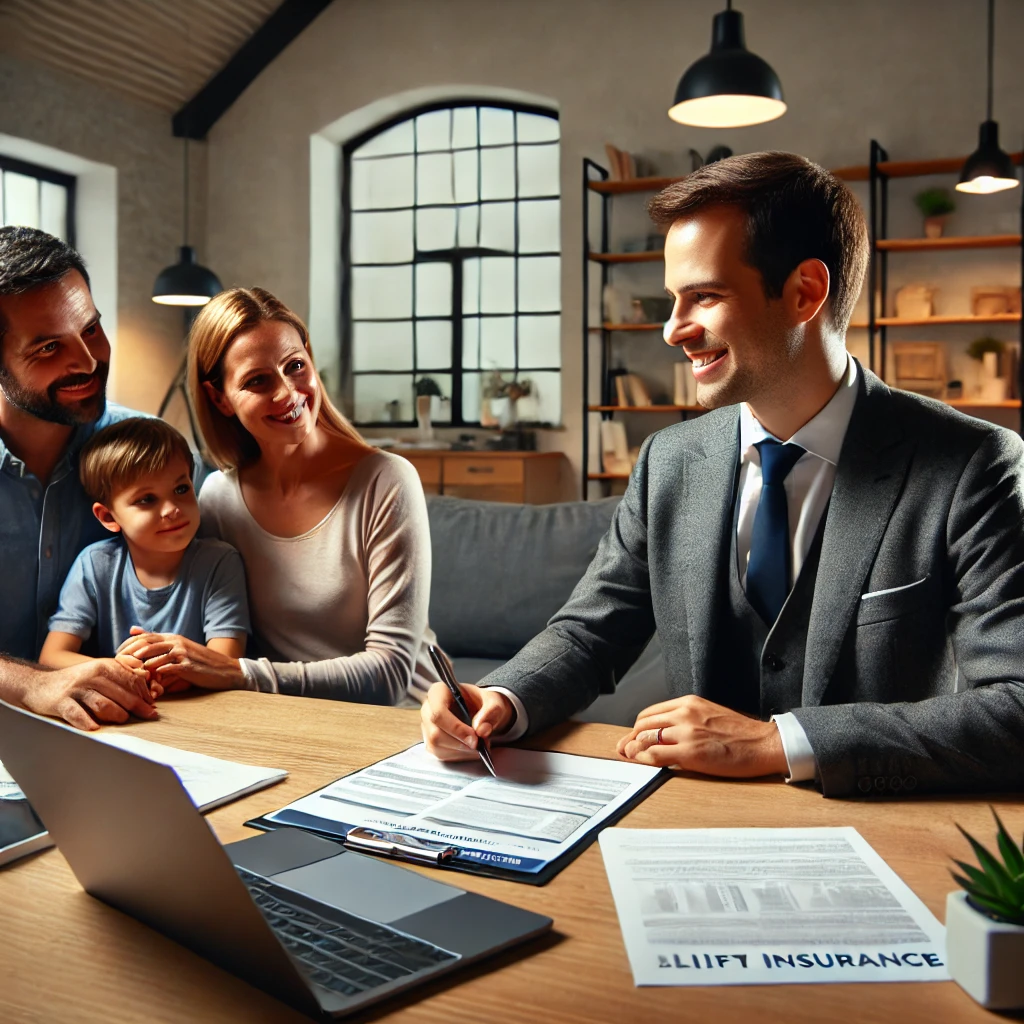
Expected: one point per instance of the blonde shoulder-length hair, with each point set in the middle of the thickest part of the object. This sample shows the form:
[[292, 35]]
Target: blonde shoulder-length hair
[[226, 442]]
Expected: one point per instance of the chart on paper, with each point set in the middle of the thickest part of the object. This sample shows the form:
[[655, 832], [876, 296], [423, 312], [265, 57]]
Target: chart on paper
[[766, 906], [538, 807]]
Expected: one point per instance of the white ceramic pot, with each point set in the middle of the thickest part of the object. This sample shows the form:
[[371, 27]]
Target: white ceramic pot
[[984, 956]]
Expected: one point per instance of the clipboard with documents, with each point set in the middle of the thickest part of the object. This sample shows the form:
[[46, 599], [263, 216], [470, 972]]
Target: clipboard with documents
[[541, 811]]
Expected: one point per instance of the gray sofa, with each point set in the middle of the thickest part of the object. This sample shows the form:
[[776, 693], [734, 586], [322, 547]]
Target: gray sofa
[[501, 571]]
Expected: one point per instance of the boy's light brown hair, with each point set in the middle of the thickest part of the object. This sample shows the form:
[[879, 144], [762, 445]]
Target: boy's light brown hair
[[120, 455]]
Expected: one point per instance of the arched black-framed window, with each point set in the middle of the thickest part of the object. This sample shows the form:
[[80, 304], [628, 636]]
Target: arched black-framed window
[[452, 261], [37, 197]]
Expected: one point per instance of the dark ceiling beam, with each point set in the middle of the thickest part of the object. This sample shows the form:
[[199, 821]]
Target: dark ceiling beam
[[203, 111]]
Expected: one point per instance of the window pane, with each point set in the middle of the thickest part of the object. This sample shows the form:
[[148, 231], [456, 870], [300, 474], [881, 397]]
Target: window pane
[[395, 140], [21, 200], [440, 408], [498, 341], [374, 395], [540, 284], [464, 127], [434, 178], [497, 173], [471, 397], [382, 346], [466, 186], [538, 170], [382, 184], [544, 403], [53, 216], [435, 229], [539, 228], [536, 128], [496, 126], [380, 293], [433, 344], [471, 286], [382, 237], [433, 131], [433, 289], [498, 226], [497, 285], [471, 342], [469, 223], [540, 341]]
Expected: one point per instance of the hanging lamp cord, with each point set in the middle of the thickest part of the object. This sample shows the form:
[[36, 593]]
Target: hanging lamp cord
[[991, 51]]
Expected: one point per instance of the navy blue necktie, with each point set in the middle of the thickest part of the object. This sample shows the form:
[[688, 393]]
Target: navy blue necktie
[[768, 567]]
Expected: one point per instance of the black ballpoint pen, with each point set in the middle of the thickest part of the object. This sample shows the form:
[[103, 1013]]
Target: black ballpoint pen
[[460, 703]]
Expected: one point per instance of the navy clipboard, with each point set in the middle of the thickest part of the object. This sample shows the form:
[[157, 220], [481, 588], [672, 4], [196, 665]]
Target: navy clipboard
[[446, 854]]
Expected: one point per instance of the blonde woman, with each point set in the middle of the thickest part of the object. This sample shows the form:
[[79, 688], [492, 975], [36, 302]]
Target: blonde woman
[[333, 532]]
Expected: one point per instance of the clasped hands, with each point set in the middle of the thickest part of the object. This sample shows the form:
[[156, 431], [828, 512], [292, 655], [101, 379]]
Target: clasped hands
[[171, 662], [697, 735]]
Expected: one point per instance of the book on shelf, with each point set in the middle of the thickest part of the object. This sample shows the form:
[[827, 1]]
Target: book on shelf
[[620, 163], [614, 448], [621, 391], [637, 391], [685, 386]]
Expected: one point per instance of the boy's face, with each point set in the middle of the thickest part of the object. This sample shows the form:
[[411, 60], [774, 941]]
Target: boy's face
[[157, 513]]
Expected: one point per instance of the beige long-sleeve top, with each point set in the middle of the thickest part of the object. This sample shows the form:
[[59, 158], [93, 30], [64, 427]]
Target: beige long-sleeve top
[[342, 608]]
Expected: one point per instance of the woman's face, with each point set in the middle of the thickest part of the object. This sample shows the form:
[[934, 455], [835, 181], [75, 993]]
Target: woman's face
[[269, 384]]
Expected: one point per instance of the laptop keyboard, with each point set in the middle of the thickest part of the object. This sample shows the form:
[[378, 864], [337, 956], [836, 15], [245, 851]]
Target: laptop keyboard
[[346, 954]]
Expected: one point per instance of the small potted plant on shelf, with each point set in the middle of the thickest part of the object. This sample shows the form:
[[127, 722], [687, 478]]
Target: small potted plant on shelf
[[426, 390], [936, 204], [985, 924]]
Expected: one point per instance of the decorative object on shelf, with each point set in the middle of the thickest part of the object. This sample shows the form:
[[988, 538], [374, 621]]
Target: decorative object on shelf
[[994, 300], [985, 924], [656, 309], [497, 386], [627, 166], [636, 313], [988, 168], [614, 448], [685, 392], [935, 204], [426, 388], [730, 86], [914, 301], [954, 390], [715, 153], [392, 410], [919, 366], [615, 304], [991, 386]]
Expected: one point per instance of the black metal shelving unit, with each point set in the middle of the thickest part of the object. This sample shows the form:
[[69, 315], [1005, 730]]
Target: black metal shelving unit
[[881, 170]]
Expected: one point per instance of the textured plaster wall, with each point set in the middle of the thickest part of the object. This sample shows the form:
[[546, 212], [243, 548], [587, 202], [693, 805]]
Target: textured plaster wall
[[908, 72], [74, 116]]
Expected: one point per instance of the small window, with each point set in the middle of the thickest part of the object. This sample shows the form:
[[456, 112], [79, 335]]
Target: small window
[[452, 261], [36, 197]]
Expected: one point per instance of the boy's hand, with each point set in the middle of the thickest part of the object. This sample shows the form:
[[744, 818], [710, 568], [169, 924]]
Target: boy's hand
[[142, 647], [138, 670], [173, 659]]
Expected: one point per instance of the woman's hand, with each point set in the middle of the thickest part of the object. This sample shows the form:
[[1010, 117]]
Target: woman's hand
[[174, 662]]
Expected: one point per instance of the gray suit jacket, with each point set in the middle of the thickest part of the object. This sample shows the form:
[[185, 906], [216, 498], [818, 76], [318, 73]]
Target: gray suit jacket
[[919, 688]]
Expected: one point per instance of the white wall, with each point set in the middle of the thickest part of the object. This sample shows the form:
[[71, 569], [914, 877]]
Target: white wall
[[908, 72]]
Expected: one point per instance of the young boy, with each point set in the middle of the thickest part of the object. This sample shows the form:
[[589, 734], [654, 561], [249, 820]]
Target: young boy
[[153, 573]]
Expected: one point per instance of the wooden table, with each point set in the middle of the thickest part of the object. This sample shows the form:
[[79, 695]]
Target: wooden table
[[67, 957]]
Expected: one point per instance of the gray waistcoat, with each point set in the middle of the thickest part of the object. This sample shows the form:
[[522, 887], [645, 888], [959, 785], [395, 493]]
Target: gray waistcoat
[[760, 671]]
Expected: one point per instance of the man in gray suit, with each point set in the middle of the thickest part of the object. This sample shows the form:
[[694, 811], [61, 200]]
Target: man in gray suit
[[835, 569]]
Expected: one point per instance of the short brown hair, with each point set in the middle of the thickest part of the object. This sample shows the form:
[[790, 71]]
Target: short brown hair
[[123, 453], [221, 320], [795, 211]]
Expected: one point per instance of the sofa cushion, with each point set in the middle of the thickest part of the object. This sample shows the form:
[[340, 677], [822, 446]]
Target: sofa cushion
[[500, 571]]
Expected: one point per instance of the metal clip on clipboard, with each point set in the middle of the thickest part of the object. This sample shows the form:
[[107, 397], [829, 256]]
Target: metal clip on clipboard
[[394, 844]]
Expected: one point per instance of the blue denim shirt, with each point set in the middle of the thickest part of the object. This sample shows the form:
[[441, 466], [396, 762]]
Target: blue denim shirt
[[42, 530]]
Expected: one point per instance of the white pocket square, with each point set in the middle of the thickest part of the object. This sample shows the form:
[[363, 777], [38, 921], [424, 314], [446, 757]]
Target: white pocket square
[[892, 590]]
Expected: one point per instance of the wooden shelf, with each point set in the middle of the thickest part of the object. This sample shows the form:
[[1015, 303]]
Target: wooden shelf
[[935, 321], [648, 256], [858, 325], [644, 408], [974, 403], [909, 168], [628, 327], [633, 185], [949, 243], [607, 476]]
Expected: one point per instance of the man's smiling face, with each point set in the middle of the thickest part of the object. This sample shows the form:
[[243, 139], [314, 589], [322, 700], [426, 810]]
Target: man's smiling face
[[54, 356], [740, 342]]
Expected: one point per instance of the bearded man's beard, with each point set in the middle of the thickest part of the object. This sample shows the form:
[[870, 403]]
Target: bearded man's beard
[[45, 405]]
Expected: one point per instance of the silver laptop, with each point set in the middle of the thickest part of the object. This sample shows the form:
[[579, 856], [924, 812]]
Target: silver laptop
[[324, 929]]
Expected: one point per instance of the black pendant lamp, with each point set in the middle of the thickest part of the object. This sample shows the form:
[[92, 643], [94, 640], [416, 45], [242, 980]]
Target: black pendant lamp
[[730, 87], [988, 168], [187, 282]]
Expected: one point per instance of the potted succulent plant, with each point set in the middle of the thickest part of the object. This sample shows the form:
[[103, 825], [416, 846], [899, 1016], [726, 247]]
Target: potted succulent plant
[[936, 204], [985, 924], [426, 389]]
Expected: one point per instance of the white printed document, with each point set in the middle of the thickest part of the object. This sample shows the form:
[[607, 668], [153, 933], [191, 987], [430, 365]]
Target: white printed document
[[762, 906], [539, 807]]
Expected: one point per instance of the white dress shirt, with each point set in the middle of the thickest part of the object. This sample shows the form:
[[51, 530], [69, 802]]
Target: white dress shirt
[[808, 490]]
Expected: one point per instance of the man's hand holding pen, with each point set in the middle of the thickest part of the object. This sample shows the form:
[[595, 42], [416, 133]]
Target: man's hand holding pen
[[447, 737]]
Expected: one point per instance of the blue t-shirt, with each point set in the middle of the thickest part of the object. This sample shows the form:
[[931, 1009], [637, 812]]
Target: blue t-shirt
[[103, 596]]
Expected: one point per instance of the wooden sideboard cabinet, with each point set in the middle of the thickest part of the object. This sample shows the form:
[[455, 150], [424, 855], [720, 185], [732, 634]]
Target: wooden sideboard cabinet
[[531, 478]]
